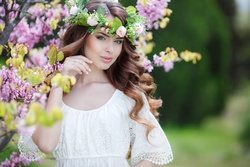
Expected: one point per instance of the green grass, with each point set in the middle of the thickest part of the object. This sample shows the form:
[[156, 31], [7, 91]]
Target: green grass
[[205, 147]]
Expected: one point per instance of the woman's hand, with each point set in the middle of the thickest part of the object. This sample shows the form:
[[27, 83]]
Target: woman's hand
[[74, 65]]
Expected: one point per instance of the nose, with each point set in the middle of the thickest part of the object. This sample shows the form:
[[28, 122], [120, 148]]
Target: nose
[[109, 47]]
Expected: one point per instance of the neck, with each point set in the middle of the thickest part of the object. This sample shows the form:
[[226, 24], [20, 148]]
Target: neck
[[96, 75]]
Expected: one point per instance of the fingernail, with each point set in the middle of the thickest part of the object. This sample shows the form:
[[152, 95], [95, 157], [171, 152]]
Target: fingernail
[[89, 69]]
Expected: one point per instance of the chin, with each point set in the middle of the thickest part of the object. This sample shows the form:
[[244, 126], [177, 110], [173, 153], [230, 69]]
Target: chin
[[104, 66]]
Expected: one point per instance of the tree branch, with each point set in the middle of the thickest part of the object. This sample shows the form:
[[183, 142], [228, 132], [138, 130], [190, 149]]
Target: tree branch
[[9, 26], [6, 139]]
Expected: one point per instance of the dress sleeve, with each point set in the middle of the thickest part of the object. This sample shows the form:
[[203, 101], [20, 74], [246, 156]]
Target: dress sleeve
[[28, 148], [157, 148]]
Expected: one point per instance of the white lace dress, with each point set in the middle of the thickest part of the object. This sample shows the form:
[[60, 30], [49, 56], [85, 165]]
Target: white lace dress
[[101, 137]]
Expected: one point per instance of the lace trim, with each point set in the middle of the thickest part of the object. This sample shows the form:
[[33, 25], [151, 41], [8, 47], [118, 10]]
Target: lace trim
[[29, 149], [132, 136], [103, 140], [154, 157]]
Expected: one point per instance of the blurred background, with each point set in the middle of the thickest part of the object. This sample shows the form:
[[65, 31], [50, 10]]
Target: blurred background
[[206, 109], [206, 106]]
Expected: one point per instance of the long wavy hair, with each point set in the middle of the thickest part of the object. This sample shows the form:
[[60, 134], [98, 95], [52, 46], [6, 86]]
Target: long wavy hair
[[126, 74]]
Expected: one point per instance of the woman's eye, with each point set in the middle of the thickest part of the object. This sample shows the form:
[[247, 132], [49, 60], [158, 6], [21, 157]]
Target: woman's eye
[[100, 37], [118, 41]]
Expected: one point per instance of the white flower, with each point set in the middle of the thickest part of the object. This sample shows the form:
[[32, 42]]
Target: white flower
[[73, 10], [114, 0], [121, 31], [91, 21], [71, 2], [139, 28]]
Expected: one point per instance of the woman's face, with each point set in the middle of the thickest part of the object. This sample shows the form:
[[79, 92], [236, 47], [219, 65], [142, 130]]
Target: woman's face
[[102, 48]]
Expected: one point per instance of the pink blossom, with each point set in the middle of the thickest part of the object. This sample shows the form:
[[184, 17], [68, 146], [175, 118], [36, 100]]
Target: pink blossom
[[157, 60], [15, 160], [139, 29], [121, 31], [91, 21], [168, 65], [61, 32], [22, 128], [38, 57], [147, 64], [153, 11]]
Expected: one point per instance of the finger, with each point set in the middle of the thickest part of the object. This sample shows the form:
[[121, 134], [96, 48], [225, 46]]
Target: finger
[[82, 66], [70, 67], [85, 59]]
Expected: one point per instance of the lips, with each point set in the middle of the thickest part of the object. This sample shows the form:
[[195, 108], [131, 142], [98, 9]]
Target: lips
[[106, 59]]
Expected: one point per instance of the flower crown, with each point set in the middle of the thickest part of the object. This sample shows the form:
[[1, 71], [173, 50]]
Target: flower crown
[[80, 16]]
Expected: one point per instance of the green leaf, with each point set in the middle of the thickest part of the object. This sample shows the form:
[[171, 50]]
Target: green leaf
[[35, 107], [52, 54], [60, 56], [44, 119], [115, 24], [35, 78], [12, 107], [30, 120], [3, 109], [131, 10], [100, 11], [56, 114], [1, 49]]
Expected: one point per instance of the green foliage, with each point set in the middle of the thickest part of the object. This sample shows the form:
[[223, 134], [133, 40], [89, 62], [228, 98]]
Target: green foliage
[[192, 92], [243, 110], [245, 134], [115, 24], [37, 77], [54, 55]]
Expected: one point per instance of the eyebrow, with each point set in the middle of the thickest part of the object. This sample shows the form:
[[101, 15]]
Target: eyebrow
[[104, 34]]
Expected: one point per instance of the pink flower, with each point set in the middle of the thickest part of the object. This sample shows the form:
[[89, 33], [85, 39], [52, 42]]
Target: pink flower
[[121, 31], [73, 10], [157, 60], [168, 66], [139, 29], [91, 21], [147, 65]]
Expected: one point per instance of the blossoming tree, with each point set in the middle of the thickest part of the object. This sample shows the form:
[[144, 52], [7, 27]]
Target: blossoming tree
[[30, 32]]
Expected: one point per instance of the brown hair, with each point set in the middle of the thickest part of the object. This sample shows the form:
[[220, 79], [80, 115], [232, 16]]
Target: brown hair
[[126, 74]]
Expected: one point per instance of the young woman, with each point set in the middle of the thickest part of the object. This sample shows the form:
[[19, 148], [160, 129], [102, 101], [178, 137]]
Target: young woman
[[109, 114]]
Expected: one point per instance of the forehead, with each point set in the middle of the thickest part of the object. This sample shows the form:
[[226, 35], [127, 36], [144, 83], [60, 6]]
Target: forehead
[[101, 30]]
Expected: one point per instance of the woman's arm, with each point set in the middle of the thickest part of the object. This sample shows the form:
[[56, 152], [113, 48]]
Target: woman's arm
[[46, 138], [145, 163]]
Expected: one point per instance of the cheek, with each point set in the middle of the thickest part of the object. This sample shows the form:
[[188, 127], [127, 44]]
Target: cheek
[[118, 50], [90, 47]]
